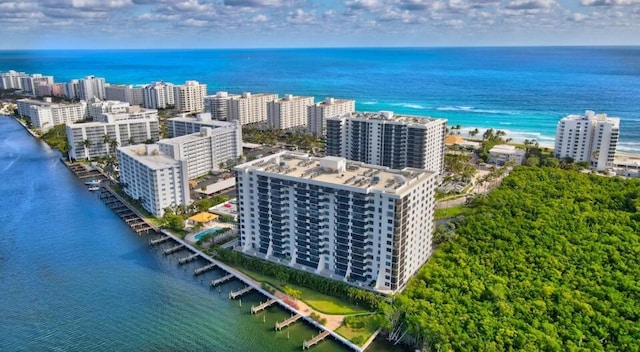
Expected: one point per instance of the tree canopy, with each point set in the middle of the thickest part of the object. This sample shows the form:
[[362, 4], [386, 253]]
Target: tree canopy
[[550, 260]]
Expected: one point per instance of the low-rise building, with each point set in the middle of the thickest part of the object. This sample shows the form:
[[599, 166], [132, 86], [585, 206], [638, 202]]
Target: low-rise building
[[367, 225], [503, 153], [180, 126], [156, 180], [45, 114]]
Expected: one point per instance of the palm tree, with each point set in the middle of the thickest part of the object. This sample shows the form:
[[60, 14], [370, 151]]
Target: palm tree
[[114, 144], [106, 140], [488, 134], [131, 141], [86, 144], [474, 132]]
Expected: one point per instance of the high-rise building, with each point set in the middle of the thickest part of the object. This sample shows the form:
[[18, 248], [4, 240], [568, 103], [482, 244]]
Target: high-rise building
[[246, 107], [590, 137], [317, 114], [125, 93], [189, 97], [97, 107], [30, 83], [155, 179], [206, 150], [389, 140], [12, 79], [158, 95], [288, 112], [91, 87], [45, 114], [71, 89], [180, 126], [368, 225]]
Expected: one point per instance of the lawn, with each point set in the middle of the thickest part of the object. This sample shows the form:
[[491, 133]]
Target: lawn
[[322, 303], [358, 329], [452, 212]]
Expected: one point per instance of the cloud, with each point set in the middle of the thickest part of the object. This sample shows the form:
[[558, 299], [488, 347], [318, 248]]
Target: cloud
[[530, 4], [255, 3], [366, 5], [299, 16], [609, 2]]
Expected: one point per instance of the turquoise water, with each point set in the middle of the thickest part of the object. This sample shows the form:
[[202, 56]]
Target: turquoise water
[[74, 277], [523, 91], [204, 233]]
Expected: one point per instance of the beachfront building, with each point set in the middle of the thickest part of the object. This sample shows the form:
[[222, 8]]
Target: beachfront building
[[590, 137], [45, 114], [317, 114], [125, 93], [97, 107], [288, 112], [246, 107], [189, 97], [386, 139], [180, 126], [12, 80], [367, 225], [158, 95], [206, 150], [91, 87], [70, 89], [503, 153], [30, 83], [97, 139], [155, 179]]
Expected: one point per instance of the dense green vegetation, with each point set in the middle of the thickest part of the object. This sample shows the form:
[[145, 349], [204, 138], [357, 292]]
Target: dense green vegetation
[[550, 260], [359, 328], [272, 136], [56, 138], [451, 212]]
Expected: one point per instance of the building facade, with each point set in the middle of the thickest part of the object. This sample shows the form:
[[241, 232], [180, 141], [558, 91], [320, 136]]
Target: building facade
[[155, 179], [318, 113], [158, 95], [45, 114], [91, 87], [180, 126], [246, 107], [370, 226], [206, 150], [288, 112], [389, 140], [590, 137], [12, 80], [125, 92], [189, 97], [96, 107]]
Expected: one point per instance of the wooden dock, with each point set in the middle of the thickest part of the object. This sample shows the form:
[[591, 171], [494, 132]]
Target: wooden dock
[[174, 249], [308, 344], [119, 206], [159, 240], [188, 259], [221, 280], [204, 268], [288, 322], [236, 294], [262, 306]]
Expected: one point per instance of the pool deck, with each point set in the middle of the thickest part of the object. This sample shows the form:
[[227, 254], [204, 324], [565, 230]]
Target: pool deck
[[191, 236]]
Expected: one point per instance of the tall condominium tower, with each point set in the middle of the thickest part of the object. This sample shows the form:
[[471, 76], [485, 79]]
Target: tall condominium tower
[[91, 87], [590, 137], [288, 112], [317, 114], [189, 97], [246, 107], [389, 140], [158, 95]]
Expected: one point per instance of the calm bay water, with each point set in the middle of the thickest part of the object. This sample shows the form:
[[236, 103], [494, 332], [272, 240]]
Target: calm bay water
[[74, 277], [524, 91]]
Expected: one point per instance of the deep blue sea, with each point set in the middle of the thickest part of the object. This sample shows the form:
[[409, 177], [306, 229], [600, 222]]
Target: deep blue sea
[[74, 277], [523, 91]]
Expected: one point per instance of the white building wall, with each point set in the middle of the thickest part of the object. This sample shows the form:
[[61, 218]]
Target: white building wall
[[318, 113], [91, 87], [288, 112], [189, 97]]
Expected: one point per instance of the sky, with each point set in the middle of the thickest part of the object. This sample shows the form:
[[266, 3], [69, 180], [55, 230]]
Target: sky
[[123, 24]]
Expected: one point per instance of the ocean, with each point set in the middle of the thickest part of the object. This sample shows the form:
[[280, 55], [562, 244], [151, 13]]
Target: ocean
[[522, 91], [74, 277]]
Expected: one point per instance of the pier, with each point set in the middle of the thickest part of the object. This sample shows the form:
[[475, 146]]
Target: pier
[[236, 294], [188, 259], [113, 201], [221, 280], [262, 306], [159, 240], [204, 268], [308, 344], [288, 322], [174, 249]]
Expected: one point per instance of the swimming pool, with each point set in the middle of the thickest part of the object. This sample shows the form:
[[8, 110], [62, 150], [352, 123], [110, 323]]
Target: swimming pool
[[204, 233]]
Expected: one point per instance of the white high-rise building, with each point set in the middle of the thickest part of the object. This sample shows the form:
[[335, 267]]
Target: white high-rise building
[[189, 97], [246, 107], [125, 93], [206, 150], [158, 95], [389, 140], [97, 107], [368, 225], [87, 140], [317, 114], [12, 79], [44, 114], [590, 137], [288, 112], [30, 83], [91, 87], [155, 179], [71, 89], [180, 126]]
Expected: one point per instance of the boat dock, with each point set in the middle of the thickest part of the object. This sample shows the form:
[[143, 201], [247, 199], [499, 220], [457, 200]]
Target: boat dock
[[262, 306], [131, 217], [288, 321], [204, 269], [236, 294], [221, 280], [159, 240], [188, 259], [308, 344], [174, 249], [83, 173]]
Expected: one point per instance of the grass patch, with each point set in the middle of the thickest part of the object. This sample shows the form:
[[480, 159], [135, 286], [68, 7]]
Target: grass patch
[[452, 212], [322, 303], [358, 329]]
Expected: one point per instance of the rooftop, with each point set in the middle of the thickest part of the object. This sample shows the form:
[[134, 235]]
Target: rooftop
[[149, 155], [213, 123], [390, 116], [338, 171], [504, 149]]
